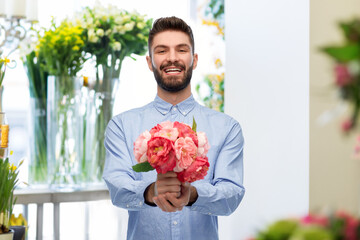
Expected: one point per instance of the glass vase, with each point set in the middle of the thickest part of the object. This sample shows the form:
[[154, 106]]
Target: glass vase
[[99, 113], [64, 131], [38, 165]]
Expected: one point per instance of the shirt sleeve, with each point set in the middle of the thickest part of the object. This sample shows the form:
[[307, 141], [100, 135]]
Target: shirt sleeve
[[222, 195], [126, 187]]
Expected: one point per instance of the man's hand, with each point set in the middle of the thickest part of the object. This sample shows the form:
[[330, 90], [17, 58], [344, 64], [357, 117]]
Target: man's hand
[[165, 183], [168, 202]]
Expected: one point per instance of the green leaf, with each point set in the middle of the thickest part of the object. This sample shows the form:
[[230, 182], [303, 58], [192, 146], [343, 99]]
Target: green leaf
[[142, 167], [344, 53], [194, 125]]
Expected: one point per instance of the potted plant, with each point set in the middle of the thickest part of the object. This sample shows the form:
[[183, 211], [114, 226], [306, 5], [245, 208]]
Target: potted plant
[[8, 182]]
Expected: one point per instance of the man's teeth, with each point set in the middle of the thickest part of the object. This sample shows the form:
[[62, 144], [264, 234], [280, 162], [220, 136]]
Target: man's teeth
[[173, 70]]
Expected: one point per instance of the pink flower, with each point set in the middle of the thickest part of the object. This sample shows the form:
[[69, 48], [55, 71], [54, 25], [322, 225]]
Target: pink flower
[[313, 219], [343, 76], [347, 125], [167, 131], [204, 146], [186, 131], [140, 147], [185, 150], [196, 171], [161, 155]]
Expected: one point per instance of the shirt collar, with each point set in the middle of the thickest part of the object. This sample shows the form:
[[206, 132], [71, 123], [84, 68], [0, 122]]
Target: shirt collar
[[183, 107]]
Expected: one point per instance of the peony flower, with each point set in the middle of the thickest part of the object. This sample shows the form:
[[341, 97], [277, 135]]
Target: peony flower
[[185, 150], [196, 171], [167, 131], [186, 131], [140, 147], [204, 146], [161, 155]]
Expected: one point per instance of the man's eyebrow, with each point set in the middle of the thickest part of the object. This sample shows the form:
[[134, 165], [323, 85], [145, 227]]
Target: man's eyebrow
[[165, 46], [160, 46], [183, 45]]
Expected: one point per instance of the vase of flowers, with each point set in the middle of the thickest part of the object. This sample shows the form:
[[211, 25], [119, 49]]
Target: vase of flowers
[[111, 34], [38, 173], [8, 182], [346, 68], [61, 47]]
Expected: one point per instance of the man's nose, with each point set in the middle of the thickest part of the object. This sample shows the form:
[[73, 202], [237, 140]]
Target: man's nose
[[173, 56]]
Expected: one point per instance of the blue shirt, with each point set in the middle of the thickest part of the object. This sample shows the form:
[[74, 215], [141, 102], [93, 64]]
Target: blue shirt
[[219, 193]]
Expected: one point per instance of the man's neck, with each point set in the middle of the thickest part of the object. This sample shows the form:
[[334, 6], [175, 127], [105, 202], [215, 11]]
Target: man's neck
[[174, 97]]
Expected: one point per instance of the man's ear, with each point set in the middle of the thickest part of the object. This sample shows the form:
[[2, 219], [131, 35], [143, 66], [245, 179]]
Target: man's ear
[[195, 60], [149, 62]]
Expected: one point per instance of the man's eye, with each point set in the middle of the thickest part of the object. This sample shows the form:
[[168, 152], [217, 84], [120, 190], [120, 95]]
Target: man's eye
[[161, 51]]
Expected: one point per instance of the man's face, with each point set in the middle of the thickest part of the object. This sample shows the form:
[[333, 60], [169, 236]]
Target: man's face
[[172, 60]]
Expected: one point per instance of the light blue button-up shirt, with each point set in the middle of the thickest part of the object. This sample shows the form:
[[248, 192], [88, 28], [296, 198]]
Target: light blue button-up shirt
[[219, 193]]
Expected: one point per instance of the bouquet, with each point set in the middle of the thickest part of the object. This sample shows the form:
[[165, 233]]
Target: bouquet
[[61, 48], [173, 146]]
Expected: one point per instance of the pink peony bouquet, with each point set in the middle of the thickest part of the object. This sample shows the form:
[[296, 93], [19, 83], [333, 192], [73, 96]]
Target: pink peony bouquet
[[173, 146]]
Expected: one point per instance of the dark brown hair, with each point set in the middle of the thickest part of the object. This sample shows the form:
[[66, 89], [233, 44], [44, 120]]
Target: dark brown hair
[[170, 23]]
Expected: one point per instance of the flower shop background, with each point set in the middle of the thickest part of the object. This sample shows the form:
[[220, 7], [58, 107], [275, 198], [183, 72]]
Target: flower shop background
[[135, 78], [334, 170], [266, 89]]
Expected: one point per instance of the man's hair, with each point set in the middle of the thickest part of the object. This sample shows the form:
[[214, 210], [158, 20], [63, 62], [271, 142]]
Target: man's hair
[[170, 23]]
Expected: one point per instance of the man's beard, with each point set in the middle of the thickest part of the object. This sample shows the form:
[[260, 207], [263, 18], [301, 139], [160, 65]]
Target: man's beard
[[172, 84]]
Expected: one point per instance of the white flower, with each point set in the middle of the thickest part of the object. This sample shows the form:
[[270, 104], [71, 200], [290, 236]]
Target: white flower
[[92, 36], [118, 19], [108, 32], [140, 25], [129, 26], [116, 46], [100, 32]]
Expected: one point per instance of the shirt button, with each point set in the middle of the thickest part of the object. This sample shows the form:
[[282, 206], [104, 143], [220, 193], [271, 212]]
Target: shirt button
[[184, 113], [127, 205], [175, 222], [174, 108], [140, 203], [209, 213]]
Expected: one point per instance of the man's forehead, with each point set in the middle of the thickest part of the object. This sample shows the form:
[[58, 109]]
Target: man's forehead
[[171, 38]]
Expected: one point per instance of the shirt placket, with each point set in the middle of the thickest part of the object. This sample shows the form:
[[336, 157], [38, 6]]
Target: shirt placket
[[175, 226], [174, 113]]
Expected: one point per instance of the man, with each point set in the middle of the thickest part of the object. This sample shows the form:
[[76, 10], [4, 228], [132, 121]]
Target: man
[[159, 205]]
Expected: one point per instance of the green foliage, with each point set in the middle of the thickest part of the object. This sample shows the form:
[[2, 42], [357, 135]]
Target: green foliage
[[142, 167], [8, 182], [280, 230]]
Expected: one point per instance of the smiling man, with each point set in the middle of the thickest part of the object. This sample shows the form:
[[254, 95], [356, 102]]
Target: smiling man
[[159, 205]]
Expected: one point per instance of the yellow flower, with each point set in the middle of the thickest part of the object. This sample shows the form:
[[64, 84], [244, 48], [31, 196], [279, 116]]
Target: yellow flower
[[12, 167], [75, 48]]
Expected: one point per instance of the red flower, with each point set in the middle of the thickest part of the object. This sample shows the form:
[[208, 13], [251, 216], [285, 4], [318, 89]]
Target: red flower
[[186, 131], [161, 155], [196, 171]]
